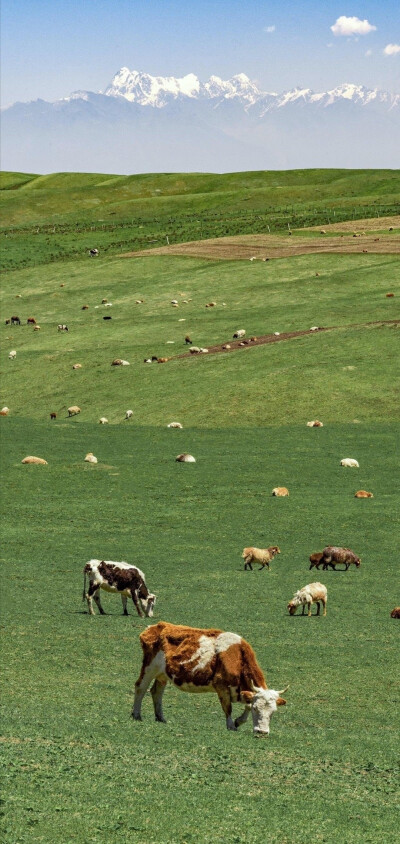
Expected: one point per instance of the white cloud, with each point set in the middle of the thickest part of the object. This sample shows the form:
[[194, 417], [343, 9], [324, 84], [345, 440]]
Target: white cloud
[[368, 53], [351, 26], [391, 49], [269, 28]]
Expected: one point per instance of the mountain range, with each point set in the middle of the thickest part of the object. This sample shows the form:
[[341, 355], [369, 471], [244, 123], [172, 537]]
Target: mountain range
[[144, 123]]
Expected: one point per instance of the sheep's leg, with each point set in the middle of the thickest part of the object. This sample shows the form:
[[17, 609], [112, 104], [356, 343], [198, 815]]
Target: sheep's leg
[[324, 603], [309, 608], [243, 717], [124, 603], [226, 703], [247, 562], [303, 608], [157, 691], [136, 602], [318, 607]]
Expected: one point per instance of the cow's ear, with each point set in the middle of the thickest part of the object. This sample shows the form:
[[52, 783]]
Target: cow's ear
[[246, 697], [281, 701]]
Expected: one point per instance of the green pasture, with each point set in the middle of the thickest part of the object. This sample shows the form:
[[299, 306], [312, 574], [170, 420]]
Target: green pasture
[[76, 767], [61, 216]]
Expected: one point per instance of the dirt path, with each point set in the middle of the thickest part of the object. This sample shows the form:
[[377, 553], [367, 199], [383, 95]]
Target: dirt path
[[247, 343]]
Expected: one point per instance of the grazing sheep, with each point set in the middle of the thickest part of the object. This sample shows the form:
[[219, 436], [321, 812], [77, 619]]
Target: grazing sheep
[[73, 410], [277, 333], [362, 493], [129, 414], [204, 351], [350, 463], [315, 424], [239, 334], [188, 341], [104, 301], [314, 328], [226, 347], [333, 554], [316, 559], [7, 322], [389, 295], [194, 350], [174, 425], [90, 458], [31, 320], [139, 301], [15, 320], [108, 304], [62, 327], [280, 491], [85, 308], [103, 420], [4, 411], [148, 360], [36, 460], [263, 556], [211, 305], [313, 593], [53, 415], [107, 317], [36, 328], [395, 613], [93, 253], [120, 362], [77, 366], [185, 458], [12, 355], [174, 301], [162, 360]]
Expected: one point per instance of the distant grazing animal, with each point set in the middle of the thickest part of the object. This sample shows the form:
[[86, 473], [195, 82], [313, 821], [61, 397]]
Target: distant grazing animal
[[350, 463], [62, 327], [15, 320], [139, 301], [280, 491], [333, 554], [12, 355], [316, 559], [129, 414], [262, 556], [362, 493], [198, 660], [174, 425], [239, 334], [313, 593], [147, 360], [53, 415], [315, 424], [314, 328], [185, 458], [119, 362], [226, 347], [127, 580], [395, 613], [203, 351], [107, 317], [36, 328], [90, 458], [77, 366], [4, 411], [174, 301], [188, 341], [103, 420], [93, 253], [31, 320], [35, 460], [194, 350], [7, 322], [107, 304], [104, 301], [162, 360], [154, 358], [389, 295], [211, 305], [85, 307], [73, 410], [277, 333]]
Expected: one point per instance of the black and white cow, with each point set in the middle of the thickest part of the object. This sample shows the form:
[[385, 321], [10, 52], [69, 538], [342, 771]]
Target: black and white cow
[[127, 580]]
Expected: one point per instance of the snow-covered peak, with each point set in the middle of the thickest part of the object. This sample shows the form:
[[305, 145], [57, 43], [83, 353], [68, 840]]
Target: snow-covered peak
[[151, 90]]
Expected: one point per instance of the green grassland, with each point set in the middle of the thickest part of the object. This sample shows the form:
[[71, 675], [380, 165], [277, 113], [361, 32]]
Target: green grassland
[[51, 218], [76, 767]]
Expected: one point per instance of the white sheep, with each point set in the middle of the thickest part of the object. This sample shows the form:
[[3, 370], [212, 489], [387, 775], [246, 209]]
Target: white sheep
[[174, 425], [90, 458], [12, 354], [129, 413], [36, 460], [4, 411], [315, 424], [238, 334], [313, 593], [185, 458], [103, 420], [73, 410], [350, 463]]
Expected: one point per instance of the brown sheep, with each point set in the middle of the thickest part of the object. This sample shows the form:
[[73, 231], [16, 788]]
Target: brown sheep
[[362, 493], [316, 560], [263, 556], [395, 613], [31, 320], [280, 491], [162, 360], [53, 415], [333, 554]]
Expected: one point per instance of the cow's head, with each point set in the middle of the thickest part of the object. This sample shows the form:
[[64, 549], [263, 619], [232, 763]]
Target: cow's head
[[263, 703], [148, 604]]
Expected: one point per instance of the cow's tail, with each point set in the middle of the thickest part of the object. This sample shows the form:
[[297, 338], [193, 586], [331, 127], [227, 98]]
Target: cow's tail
[[84, 584]]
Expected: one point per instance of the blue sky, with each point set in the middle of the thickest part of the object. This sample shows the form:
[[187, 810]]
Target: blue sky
[[53, 47]]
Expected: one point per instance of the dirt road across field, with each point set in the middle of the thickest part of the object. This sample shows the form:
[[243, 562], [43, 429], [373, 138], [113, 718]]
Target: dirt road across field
[[248, 343], [360, 236]]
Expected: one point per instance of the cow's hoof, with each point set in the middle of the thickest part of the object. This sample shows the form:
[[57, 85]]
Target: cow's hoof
[[161, 720], [136, 717]]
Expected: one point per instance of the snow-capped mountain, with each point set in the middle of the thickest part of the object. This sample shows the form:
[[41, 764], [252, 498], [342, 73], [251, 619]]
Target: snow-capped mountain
[[144, 123]]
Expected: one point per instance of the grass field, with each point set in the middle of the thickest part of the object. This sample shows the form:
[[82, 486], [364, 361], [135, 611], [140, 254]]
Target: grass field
[[76, 767]]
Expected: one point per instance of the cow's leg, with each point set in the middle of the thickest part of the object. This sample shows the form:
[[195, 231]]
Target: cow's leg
[[157, 691], [93, 587], [124, 603], [136, 601], [96, 597], [226, 703], [243, 717], [148, 673]]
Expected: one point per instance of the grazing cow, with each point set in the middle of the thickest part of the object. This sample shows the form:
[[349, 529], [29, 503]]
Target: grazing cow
[[316, 559], [53, 415], [280, 491], [350, 463], [333, 554], [362, 493], [262, 556], [31, 320], [313, 593], [198, 660], [62, 327], [395, 613], [15, 320], [93, 253], [127, 580]]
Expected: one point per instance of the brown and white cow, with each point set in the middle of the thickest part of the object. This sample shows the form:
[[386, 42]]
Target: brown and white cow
[[197, 660], [128, 580]]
